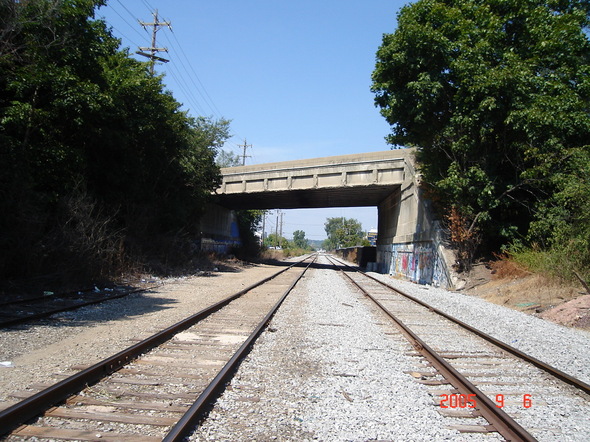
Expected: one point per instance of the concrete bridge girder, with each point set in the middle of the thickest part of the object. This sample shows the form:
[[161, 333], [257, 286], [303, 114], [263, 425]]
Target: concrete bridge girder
[[343, 181]]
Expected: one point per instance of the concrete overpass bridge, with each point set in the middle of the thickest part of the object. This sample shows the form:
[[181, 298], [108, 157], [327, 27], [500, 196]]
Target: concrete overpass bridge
[[408, 243]]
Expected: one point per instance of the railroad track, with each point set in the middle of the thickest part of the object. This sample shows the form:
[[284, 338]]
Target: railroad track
[[471, 374], [159, 388], [25, 310]]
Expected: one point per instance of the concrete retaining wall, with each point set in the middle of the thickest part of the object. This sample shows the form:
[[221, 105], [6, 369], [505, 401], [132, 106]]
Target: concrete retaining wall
[[420, 262], [411, 241]]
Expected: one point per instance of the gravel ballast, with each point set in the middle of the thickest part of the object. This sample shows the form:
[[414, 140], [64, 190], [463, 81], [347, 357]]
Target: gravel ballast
[[565, 348], [327, 371], [328, 367]]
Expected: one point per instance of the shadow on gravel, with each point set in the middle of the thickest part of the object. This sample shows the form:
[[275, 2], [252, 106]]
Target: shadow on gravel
[[138, 304], [315, 265], [133, 305]]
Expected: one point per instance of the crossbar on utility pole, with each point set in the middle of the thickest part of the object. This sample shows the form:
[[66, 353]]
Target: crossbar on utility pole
[[153, 50], [244, 156]]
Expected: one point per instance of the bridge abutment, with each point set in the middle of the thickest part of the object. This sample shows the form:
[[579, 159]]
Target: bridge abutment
[[410, 240], [219, 229]]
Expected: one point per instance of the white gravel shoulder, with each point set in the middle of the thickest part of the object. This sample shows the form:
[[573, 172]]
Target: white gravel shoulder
[[565, 348]]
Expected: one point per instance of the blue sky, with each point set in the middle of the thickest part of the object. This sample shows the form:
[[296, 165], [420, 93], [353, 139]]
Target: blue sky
[[293, 77]]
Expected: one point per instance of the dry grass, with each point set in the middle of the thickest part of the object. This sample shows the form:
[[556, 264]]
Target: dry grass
[[272, 255], [527, 293], [512, 285], [507, 268]]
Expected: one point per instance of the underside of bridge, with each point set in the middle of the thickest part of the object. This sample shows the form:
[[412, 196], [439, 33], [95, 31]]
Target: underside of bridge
[[366, 196]]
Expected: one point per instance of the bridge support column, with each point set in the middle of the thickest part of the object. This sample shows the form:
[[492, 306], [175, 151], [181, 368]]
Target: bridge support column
[[409, 244]]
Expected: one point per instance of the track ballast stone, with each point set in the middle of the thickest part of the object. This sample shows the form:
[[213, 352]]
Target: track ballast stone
[[327, 371]]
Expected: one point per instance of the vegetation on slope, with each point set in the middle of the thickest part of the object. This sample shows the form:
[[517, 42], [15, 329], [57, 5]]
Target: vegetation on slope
[[495, 95], [99, 166]]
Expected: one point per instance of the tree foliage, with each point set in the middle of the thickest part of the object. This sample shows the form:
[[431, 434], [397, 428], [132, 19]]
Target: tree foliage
[[86, 132], [226, 158], [275, 240], [249, 222], [495, 96], [343, 232], [300, 240]]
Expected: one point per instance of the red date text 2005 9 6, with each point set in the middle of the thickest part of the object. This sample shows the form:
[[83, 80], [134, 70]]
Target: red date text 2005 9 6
[[470, 401]]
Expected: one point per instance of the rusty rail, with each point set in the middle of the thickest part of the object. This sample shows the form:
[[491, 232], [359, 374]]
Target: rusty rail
[[568, 379], [196, 411], [14, 416], [498, 419]]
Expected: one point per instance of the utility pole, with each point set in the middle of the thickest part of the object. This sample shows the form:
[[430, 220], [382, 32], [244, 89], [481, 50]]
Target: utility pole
[[263, 229], [153, 50], [244, 156], [277, 230]]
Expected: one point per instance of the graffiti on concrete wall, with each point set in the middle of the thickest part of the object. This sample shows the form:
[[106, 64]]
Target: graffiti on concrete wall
[[418, 262], [222, 247]]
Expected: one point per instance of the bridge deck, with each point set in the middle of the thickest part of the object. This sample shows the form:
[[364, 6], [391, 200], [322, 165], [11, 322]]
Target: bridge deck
[[341, 181]]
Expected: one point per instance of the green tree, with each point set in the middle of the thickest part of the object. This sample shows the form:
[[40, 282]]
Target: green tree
[[566, 214], [227, 158], [299, 239], [495, 96], [343, 232], [248, 223], [50, 98], [92, 147], [274, 240]]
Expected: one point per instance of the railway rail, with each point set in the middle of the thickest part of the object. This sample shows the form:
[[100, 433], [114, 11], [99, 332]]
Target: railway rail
[[478, 360], [147, 392]]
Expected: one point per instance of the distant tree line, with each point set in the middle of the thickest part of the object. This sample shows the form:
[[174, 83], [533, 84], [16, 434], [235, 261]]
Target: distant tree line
[[299, 245], [495, 96], [99, 166], [344, 232]]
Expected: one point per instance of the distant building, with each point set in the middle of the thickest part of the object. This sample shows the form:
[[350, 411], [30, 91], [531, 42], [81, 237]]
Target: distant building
[[372, 237]]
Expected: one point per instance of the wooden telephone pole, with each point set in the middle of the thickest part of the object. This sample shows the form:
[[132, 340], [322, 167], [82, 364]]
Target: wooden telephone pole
[[153, 50]]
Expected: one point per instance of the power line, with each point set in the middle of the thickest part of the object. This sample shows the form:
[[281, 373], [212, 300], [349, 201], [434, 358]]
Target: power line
[[127, 23], [146, 3], [178, 72], [201, 87], [208, 97], [189, 95], [189, 75], [192, 75], [126, 36], [128, 11]]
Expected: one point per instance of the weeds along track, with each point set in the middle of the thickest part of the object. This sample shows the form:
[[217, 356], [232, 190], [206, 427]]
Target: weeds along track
[[485, 384], [159, 388]]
